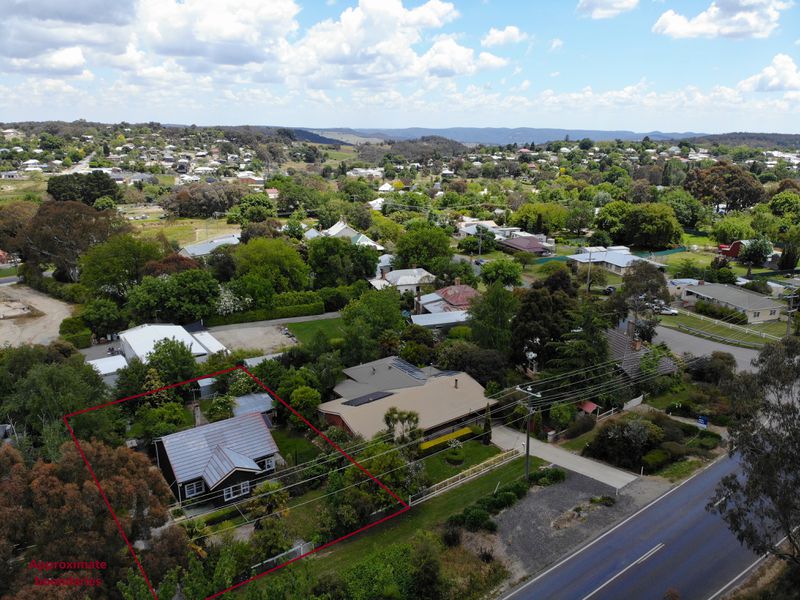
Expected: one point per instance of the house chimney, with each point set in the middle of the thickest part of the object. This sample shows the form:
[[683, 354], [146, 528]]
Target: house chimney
[[455, 382], [458, 280], [701, 282], [636, 345]]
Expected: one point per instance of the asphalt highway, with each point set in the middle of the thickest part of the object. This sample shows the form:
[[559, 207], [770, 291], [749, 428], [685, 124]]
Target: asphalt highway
[[672, 543]]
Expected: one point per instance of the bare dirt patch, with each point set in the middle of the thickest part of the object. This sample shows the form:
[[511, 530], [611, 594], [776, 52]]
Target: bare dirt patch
[[267, 338], [40, 325]]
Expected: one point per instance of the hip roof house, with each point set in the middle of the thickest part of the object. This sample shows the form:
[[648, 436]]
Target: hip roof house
[[442, 399]]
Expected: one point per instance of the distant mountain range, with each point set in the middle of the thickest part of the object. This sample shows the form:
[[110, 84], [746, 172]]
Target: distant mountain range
[[494, 135]]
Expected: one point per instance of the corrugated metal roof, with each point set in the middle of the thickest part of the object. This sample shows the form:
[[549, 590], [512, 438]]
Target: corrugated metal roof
[[452, 317], [205, 248], [258, 402], [210, 343], [191, 451], [225, 461], [109, 364], [141, 339]]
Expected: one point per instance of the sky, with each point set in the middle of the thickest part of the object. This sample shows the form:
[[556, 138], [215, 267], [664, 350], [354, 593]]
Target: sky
[[642, 65]]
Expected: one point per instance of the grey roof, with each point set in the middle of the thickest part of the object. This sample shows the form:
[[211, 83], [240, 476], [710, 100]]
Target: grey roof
[[629, 359], [451, 317], [735, 296], [257, 360], [390, 373], [257, 402], [207, 450], [224, 461], [205, 248]]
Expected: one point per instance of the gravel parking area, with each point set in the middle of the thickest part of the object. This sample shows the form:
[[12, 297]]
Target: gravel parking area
[[32, 330], [526, 536]]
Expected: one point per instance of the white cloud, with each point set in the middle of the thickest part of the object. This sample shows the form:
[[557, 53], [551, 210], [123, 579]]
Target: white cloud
[[556, 44], [498, 37], [64, 61], [605, 9], [725, 18], [555, 74], [781, 75]]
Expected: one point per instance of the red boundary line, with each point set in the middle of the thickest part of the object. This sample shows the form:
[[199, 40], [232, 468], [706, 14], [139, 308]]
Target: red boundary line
[[405, 505]]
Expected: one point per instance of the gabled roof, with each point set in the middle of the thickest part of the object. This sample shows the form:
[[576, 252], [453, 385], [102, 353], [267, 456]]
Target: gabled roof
[[205, 248], [735, 296], [208, 450], [458, 296], [142, 338], [524, 244], [409, 277], [621, 350]]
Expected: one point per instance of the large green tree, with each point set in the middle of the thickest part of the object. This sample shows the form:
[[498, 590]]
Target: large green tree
[[725, 184], [114, 267], [422, 245], [274, 260], [334, 262], [181, 298], [490, 317]]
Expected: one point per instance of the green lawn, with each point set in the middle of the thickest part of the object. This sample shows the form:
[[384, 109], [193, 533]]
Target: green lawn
[[701, 259], [295, 448], [664, 400], [474, 452], [8, 271], [303, 521], [423, 517], [579, 443], [679, 470], [12, 190], [307, 331], [776, 328], [188, 421], [185, 231]]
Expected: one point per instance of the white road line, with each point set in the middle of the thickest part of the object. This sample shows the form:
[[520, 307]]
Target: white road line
[[638, 561], [720, 501], [737, 578], [612, 530]]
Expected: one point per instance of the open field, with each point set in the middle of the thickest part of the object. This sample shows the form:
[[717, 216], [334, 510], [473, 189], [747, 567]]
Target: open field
[[12, 189], [701, 260], [185, 231], [41, 329]]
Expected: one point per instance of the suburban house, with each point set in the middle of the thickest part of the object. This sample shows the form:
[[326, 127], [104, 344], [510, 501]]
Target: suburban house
[[451, 298], [628, 353], [205, 248], [617, 260], [405, 280], [341, 229], [218, 462], [733, 250], [442, 399], [529, 245], [757, 307], [139, 341]]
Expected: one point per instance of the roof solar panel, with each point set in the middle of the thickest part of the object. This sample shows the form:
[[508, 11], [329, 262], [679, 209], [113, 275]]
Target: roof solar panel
[[408, 368], [367, 398]]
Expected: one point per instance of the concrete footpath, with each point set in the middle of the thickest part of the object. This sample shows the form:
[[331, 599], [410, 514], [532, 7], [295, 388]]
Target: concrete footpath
[[507, 438]]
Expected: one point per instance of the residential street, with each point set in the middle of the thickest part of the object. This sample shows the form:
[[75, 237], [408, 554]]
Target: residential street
[[673, 543], [680, 342]]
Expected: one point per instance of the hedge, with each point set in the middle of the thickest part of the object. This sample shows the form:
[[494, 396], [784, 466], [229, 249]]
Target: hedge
[[459, 434], [80, 339], [296, 298], [655, 459], [720, 312], [266, 314], [74, 293]]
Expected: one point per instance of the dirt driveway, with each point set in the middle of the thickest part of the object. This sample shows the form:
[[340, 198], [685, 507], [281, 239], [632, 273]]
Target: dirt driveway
[[32, 330]]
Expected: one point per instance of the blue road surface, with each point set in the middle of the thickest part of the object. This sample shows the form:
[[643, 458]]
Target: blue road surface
[[674, 543]]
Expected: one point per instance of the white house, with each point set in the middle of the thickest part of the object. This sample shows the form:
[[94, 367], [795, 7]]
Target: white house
[[139, 342], [405, 280]]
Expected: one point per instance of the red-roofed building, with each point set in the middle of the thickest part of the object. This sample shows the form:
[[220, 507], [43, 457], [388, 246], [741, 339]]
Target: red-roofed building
[[452, 298], [524, 244]]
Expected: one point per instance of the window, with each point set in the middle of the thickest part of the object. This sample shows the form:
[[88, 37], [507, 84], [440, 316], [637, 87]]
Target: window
[[234, 491], [772, 312], [194, 489], [756, 314], [267, 464]]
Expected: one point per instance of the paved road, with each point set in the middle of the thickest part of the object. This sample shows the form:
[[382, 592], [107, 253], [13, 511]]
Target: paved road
[[672, 543], [9, 280], [507, 439], [680, 342]]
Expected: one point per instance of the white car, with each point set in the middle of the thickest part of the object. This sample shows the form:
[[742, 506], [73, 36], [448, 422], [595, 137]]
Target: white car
[[666, 310]]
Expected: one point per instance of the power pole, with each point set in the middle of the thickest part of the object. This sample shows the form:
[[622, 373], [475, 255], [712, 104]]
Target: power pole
[[790, 299], [531, 395]]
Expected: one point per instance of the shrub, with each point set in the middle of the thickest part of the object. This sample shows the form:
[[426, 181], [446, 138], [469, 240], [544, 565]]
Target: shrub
[[71, 325], [80, 339], [604, 500], [519, 488], [545, 477], [457, 520], [455, 456], [720, 312], [296, 298], [265, 314], [451, 535], [475, 518], [675, 450], [655, 459], [682, 409], [579, 426], [490, 526]]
